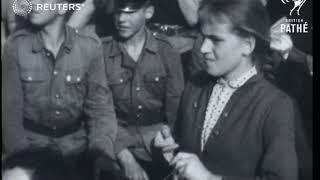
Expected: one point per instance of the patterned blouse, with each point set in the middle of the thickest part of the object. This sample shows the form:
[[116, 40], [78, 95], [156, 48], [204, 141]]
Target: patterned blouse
[[220, 96]]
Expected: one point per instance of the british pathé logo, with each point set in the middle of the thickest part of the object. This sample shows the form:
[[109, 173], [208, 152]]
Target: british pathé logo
[[297, 5], [294, 25], [21, 7]]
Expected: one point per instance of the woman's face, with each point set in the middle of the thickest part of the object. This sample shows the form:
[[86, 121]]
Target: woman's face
[[222, 48]]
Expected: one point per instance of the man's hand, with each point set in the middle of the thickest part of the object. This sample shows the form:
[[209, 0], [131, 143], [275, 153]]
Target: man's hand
[[166, 143], [188, 166], [133, 171], [17, 173], [280, 41]]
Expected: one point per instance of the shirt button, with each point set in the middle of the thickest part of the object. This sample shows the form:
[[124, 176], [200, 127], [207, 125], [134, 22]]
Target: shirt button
[[68, 78], [216, 132], [139, 107], [225, 114], [48, 54], [55, 72], [121, 80], [57, 112], [57, 96], [138, 88], [195, 104], [78, 79], [156, 79], [29, 78]]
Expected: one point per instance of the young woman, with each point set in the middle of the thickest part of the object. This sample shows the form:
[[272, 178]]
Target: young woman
[[234, 124]]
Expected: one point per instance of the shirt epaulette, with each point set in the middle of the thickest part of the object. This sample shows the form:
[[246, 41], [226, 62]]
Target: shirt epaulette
[[19, 33], [88, 35], [162, 37]]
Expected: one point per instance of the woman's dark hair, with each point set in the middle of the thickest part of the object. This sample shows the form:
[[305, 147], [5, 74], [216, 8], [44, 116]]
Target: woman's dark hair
[[248, 17]]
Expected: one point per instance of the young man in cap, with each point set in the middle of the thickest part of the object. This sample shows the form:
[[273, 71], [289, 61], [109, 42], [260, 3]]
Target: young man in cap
[[55, 92], [146, 80]]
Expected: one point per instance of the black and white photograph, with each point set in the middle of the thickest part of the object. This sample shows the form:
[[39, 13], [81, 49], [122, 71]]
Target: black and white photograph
[[157, 89]]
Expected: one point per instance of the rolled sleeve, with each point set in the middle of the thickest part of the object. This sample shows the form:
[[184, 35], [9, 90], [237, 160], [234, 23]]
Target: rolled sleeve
[[99, 108], [12, 102], [174, 86]]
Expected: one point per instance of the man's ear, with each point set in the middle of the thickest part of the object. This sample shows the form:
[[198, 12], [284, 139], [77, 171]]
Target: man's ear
[[149, 12], [249, 45]]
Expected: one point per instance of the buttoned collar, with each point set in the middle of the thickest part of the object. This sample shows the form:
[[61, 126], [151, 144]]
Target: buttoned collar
[[238, 82], [151, 43], [37, 42]]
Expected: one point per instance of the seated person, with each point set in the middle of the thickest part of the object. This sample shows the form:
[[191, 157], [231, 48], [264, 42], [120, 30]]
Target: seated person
[[146, 80], [234, 124]]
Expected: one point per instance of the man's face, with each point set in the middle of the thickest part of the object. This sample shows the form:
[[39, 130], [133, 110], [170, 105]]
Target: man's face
[[130, 23], [222, 48], [42, 17]]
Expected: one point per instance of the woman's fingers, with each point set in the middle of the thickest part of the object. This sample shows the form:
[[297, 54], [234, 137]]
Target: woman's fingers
[[170, 148], [180, 156]]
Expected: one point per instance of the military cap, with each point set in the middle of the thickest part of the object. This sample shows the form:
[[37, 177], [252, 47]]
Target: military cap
[[131, 5]]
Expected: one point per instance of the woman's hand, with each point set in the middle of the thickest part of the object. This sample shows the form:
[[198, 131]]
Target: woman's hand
[[166, 143], [188, 166], [280, 41]]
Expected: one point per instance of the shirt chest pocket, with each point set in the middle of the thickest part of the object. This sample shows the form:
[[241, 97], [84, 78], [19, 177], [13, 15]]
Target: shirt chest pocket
[[34, 81], [120, 85], [75, 81], [155, 83]]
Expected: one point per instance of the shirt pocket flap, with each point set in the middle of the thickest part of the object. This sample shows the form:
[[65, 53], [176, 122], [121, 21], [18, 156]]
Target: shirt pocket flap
[[154, 77], [33, 76], [119, 78], [74, 76]]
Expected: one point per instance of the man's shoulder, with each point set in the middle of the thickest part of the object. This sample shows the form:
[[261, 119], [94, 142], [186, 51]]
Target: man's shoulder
[[162, 39], [87, 37], [18, 36]]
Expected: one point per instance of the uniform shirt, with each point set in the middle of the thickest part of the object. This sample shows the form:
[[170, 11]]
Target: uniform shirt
[[220, 96], [146, 92], [58, 92]]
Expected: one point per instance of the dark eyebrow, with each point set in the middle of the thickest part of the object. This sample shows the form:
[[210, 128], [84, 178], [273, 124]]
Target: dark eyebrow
[[213, 37], [123, 12]]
